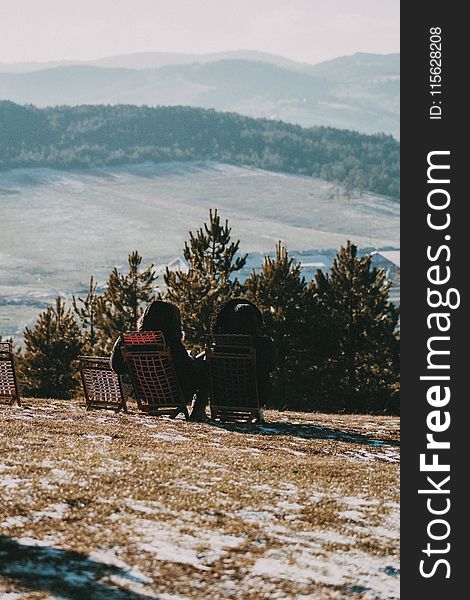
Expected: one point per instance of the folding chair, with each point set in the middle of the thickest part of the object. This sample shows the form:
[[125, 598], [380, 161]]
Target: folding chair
[[232, 379], [102, 386], [152, 372], [9, 392]]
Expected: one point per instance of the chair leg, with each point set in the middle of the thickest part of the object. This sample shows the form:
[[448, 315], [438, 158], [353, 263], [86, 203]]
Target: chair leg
[[181, 409]]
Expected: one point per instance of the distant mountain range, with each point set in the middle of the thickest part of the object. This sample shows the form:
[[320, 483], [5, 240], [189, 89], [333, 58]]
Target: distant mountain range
[[359, 92], [155, 60]]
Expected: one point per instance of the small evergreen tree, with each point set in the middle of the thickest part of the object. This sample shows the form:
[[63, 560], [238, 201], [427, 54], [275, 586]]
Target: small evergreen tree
[[48, 365], [212, 260], [279, 290], [86, 311], [120, 307], [361, 370]]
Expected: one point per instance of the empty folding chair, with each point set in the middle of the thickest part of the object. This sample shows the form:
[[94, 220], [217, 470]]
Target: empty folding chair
[[9, 393], [103, 388]]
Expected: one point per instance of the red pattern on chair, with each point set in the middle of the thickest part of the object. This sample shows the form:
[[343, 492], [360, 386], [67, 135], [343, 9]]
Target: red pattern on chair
[[9, 393], [152, 373], [155, 338]]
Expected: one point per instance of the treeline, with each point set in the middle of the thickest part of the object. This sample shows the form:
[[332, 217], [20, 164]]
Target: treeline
[[92, 136], [336, 337]]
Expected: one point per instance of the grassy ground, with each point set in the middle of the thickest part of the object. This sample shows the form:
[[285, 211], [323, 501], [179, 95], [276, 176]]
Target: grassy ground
[[104, 506]]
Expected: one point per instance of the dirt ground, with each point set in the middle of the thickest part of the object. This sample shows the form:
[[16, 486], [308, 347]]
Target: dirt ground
[[113, 506]]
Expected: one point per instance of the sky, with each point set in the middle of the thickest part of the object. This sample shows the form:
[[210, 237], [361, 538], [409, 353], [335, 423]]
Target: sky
[[304, 30]]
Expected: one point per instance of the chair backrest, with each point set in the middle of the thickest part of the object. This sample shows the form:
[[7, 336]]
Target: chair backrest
[[231, 343], [152, 371], [232, 374], [9, 392], [101, 385]]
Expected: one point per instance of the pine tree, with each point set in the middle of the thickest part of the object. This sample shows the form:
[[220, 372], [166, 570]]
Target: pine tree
[[361, 370], [48, 366], [86, 311], [118, 309], [212, 259], [279, 290]]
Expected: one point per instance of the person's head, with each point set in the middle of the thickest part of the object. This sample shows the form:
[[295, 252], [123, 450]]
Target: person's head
[[233, 318], [164, 317], [243, 320]]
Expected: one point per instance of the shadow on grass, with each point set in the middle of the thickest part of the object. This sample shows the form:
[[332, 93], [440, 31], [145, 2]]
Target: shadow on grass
[[306, 431], [66, 574]]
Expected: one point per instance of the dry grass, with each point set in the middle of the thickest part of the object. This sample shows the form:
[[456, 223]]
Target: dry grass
[[103, 506]]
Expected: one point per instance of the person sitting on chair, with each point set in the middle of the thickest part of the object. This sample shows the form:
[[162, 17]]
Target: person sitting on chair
[[191, 372], [242, 317]]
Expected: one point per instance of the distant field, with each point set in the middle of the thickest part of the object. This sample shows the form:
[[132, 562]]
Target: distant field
[[132, 507], [60, 227]]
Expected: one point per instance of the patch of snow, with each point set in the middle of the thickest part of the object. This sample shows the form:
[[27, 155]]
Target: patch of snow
[[293, 452], [264, 488], [60, 474], [150, 507], [170, 437], [256, 515], [376, 576], [189, 487], [386, 454], [29, 541], [289, 489], [285, 505], [392, 505], [91, 436], [383, 532], [18, 521], [249, 450], [357, 501], [169, 544], [55, 511], [315, 497], [269, 567], [10, 482], [147, 457], [211, 465], [352, 515], [333, 537]]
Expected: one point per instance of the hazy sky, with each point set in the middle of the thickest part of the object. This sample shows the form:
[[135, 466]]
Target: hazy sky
[[305, 30]]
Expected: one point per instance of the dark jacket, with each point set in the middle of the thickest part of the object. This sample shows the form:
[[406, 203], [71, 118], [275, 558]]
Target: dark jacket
[[240, 316]]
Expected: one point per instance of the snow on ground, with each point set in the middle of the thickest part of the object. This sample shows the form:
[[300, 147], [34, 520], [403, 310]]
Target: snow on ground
[[97, 217], [137, 507]]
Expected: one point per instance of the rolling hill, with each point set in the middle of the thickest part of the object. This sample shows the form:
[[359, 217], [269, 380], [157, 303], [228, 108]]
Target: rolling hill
[[90, 136], [359, 92]]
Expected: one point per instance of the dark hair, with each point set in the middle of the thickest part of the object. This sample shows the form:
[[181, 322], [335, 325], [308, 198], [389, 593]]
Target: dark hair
[[223, 320], [243, 319], [164, 317]]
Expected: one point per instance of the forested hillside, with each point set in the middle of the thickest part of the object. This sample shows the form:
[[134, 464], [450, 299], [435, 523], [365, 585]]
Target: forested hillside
[[90, 136]]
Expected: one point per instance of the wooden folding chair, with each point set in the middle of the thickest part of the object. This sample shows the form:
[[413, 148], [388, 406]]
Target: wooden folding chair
[[9, 392], [152, 372], [232, 379], [101, 385]]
